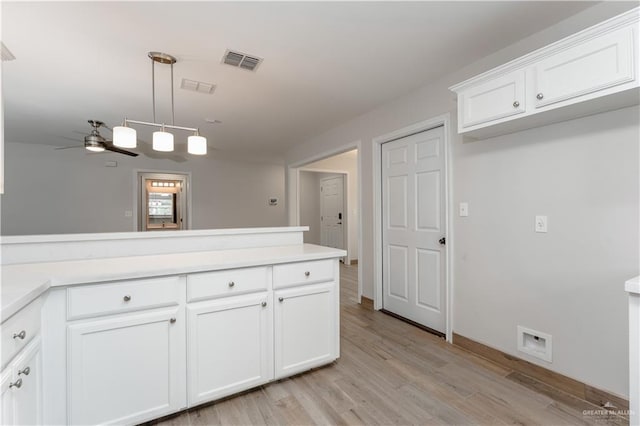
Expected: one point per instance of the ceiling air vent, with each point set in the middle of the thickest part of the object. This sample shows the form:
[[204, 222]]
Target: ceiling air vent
[[198, 86], [5, 53], [241, 60]]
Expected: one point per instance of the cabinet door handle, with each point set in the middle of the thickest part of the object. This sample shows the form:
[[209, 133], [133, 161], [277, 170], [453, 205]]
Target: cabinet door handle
[[126, 298], [539, 96], [21, 335], [516, 104], [172, 320], [280, 299], [307, 273], [231, 283], [25, 371], [264, 304], [16, 384]]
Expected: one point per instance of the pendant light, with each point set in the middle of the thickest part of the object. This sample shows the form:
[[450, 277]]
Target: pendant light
[[125, 136]]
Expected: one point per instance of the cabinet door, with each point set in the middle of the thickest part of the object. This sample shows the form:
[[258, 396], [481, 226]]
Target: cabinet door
[[591, 66], [230, 346], [305, 328], [126, 369], [6, 397], [28, 398], [21, 384], [498, 98]]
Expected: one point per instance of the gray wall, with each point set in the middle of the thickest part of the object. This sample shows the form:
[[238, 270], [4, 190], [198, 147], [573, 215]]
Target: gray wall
[[583, 174], [69, 191]]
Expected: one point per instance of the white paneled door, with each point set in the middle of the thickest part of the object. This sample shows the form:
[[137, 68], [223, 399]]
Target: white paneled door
[[413, 228], [332, 212]]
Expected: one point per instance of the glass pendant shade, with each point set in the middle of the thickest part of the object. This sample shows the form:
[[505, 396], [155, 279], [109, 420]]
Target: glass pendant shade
[[124, 137], [162, 141], [197, 145]]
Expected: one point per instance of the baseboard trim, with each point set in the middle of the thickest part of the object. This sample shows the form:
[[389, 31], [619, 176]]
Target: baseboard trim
[[366, 303], [559, 381]]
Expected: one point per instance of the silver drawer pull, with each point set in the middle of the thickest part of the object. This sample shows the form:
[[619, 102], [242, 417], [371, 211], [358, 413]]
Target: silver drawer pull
[[16, 384], [25, 371], [539, 96], [126, 298], [307, 273], [264, 304], [516, 104], [280, 299], [231, 283], [172, 320], [21, 335]]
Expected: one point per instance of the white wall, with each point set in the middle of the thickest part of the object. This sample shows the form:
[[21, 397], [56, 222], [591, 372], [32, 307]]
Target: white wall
[[569, 282], [310, 206], [69, 191], [345, 162]]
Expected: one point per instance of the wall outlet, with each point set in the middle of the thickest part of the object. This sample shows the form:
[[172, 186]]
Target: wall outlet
[[128, 213], [111, 163], [535, 343], [541, 224], [464, 209]]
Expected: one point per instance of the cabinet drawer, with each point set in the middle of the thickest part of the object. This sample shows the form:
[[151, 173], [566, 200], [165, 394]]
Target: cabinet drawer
[[291, 274], [498, 98], [209, 285], [25, 324], [104, 299], [589, 67]]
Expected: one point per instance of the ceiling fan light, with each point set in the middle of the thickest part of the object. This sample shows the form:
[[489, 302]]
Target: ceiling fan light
[[197, 145], [162, 141], [124, 137], [94, 148]]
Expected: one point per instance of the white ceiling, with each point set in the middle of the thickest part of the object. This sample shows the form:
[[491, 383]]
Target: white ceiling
[[324, 63]]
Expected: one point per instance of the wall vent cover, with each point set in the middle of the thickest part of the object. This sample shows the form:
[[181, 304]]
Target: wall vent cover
[[241, 60], [198, 86]]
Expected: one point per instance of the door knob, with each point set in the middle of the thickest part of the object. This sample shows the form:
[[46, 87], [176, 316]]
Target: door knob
[[442, 240], [20, 335], [17, 384], [126, 298], [25, 371], [540, 96]]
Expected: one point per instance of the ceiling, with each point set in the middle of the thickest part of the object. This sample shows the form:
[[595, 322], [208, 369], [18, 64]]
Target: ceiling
[[324, 62]]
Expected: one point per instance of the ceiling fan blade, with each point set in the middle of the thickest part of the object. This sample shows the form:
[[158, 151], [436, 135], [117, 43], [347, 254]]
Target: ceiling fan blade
[[67, 147], [110, 147], [146, 148]]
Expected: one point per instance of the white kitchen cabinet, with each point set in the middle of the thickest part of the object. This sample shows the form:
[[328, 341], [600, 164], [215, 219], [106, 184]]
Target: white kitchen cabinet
[[585, 68], [305, 322], [500, 97], [21, 386], [126, 369], [592, 71], [230, 346]]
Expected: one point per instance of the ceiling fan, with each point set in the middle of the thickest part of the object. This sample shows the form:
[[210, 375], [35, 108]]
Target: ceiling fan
[[94, 142]]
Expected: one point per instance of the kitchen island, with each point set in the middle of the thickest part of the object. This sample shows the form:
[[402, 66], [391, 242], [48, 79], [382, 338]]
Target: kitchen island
[[125, 328]]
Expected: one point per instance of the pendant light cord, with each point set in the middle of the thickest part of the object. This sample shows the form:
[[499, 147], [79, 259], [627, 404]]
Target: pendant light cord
[[173, 115], [153, 88]]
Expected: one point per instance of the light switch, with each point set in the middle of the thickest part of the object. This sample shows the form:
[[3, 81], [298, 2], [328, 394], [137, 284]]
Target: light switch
[[464, 209], [128, 213], [541, 224]]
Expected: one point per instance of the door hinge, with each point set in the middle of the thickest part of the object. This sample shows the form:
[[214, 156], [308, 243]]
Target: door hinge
[[442, 240]]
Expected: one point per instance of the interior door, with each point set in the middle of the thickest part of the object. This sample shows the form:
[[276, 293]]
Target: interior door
[[413, 213], [332, 212]]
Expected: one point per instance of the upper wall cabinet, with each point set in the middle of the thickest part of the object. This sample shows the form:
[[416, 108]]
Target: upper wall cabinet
[[592, 71]]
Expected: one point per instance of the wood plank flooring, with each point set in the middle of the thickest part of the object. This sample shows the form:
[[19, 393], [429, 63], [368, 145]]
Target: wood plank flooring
[[391, 373]]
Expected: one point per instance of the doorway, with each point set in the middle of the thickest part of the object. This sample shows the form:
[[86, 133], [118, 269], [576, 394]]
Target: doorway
[[331, 212], [163, 201], [413, 211]]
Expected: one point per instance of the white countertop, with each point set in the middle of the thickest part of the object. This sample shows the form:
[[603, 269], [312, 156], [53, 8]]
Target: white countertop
[[633, 285], [22, 283]]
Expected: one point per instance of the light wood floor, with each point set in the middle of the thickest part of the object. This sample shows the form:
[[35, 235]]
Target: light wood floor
[[391, 373]]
